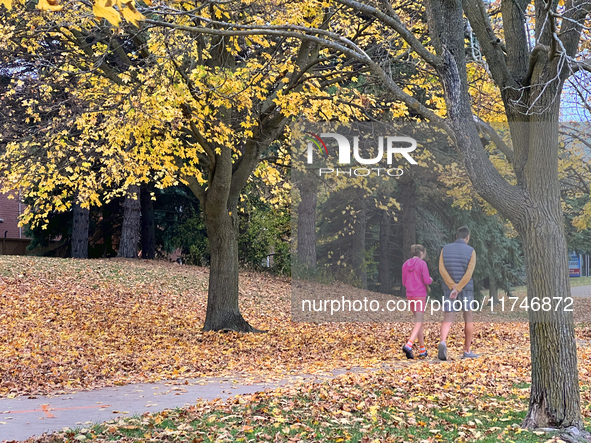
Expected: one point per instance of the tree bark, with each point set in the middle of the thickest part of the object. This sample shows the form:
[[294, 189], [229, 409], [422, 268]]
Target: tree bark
[[554, 399], [359, 262], [409, 220], [148, 225], [131, 223], [384, 278], [409, 217], [223, 312], [306, 224], [493, 289], [80, 226]]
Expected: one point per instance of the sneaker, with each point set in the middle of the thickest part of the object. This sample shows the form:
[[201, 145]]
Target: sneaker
[[423, 354], [442, 351], [408, 351], [470, 355]]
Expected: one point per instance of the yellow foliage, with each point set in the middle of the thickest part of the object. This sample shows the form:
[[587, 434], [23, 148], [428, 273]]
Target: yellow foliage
[[103, 9]]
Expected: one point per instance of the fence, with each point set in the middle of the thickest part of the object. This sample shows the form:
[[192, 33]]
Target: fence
[[14, 246]]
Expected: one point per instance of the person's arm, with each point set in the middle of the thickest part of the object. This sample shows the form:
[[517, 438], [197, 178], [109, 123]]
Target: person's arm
[[427, 280], [403, 276], [444, 274], [468, 275]]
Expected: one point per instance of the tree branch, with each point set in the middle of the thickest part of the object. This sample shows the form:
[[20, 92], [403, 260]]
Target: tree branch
[[490, 44], [495, 137], [391, 19]]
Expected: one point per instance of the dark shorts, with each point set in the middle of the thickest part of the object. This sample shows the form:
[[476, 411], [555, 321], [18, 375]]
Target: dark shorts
[[462, 303]]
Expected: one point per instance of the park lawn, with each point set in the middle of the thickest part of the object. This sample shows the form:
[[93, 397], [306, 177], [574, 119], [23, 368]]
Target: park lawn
[[481, 400], [68, 325]]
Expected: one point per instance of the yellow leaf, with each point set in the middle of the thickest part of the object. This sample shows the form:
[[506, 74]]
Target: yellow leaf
[[48, 5], [131, 14], [6, 3], [106, 12]]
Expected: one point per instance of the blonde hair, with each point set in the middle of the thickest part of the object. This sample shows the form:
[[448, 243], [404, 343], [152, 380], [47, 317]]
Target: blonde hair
[[415, 250]]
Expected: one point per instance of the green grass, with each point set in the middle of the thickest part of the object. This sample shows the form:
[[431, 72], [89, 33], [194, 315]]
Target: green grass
[[308, 416], [580, 281]]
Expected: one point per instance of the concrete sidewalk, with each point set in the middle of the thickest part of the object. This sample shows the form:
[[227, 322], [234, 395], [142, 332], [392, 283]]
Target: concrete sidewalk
[[22, 417], [581, 291]]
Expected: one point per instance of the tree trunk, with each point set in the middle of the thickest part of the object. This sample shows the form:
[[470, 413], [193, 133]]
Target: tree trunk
[[493, 289], [223, 313], [148, 225], [131, 223], [359, 262], [409, 217], [384, 278], [80, 227], [306, 224], [554, 399], [409, 220]]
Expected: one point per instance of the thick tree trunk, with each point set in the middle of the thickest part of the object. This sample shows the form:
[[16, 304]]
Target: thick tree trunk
[[131, 223], [306, 224], [80, 227], [223, 313], [533, 205], [384, 278], [148, 225], [554, 400]]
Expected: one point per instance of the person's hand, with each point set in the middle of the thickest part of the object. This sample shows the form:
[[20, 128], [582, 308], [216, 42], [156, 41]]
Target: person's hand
[[454, 294]]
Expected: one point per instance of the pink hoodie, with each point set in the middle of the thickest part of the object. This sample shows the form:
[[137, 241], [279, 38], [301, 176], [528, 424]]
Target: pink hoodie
[[415, 277]]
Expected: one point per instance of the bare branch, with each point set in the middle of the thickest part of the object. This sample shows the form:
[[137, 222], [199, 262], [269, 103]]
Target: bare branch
[[391, 19]]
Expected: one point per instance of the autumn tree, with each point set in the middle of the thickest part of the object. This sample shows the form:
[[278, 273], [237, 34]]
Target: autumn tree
[[165, 104], [530, 82]]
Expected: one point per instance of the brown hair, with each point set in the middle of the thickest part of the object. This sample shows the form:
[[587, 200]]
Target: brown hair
[[463, 232], [415, 250]]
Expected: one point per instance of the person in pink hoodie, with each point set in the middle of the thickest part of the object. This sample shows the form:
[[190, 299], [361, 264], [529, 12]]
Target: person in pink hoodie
[[416, 280]]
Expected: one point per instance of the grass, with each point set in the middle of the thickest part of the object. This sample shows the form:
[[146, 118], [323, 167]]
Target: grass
[[580, 281], [348, 409]]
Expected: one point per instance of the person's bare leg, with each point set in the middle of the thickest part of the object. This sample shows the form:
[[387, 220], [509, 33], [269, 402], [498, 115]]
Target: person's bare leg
[[421, 337], [418, 329], [448, 319], [468, 330]]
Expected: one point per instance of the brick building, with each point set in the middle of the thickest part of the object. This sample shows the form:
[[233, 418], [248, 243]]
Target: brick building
[[10, 209], [12, 239]]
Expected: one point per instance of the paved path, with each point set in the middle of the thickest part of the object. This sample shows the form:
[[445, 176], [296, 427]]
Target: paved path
[[21, 418], [581, 291]]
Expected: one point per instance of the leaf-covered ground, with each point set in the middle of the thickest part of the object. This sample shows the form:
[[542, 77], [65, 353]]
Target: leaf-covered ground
[[72, 324], [464, 401]]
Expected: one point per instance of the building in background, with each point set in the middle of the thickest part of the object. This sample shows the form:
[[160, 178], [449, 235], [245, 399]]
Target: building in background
[[12, 240]]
